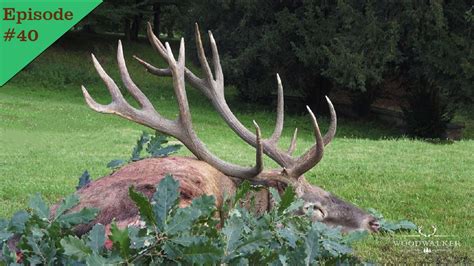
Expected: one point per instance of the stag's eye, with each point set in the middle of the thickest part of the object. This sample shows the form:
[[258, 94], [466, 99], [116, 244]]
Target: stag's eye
[[315, 211]]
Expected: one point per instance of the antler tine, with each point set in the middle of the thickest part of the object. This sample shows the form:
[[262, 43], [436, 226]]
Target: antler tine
[[216, 61], [152, 69], [177, 69], [202, 55], [93, 104], [328, 137], [310, 158], [181, 57], [155, 42], [109, 82], [259, 154], [292, 147], [128, 82], [170, 57], [280, 113]]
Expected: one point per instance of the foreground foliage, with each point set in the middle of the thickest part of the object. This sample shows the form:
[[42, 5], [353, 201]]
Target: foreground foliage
[[172, 234], [156, 146], [39, 236]]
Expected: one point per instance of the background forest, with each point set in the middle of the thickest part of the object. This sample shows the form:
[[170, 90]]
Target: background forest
[[415, 57]]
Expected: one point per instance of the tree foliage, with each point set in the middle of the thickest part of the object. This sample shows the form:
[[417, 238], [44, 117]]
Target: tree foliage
[[320, 45], [314, 45], [129, 16], [317, 46]]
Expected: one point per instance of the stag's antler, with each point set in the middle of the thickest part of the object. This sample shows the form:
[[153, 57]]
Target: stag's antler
[[212, 86], [181, 128]]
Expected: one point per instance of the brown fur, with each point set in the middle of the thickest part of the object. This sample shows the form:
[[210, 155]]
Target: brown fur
[[196, 178], [110, 193]]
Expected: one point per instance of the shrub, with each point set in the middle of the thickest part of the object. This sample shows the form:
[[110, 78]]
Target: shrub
[[176, 235], [38, 236], [428, 113]]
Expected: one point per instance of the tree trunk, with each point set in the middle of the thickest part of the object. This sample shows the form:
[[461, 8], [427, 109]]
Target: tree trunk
[[126, 28], [135, 29], [156, 18], [316, 94], [88, 28], [170, 32]]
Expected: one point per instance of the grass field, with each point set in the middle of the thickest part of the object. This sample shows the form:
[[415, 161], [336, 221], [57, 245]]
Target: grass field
[[48, 137]]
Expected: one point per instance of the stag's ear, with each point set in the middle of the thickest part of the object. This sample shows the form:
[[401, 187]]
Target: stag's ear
[[315, 211]]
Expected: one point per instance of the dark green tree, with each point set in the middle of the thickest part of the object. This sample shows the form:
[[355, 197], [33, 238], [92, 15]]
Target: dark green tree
[[349, 45], [316, 46], [436, 56], [128, 16]]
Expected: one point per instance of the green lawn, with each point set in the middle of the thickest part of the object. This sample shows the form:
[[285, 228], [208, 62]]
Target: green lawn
[[48, 137]]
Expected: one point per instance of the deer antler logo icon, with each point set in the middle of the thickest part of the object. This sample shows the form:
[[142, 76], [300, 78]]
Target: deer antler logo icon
[[420, 231]]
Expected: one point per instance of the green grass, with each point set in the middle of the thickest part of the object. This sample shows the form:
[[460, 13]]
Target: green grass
[[48, 137]]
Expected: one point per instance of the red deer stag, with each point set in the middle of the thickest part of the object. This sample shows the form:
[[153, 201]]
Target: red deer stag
[[208, 174]]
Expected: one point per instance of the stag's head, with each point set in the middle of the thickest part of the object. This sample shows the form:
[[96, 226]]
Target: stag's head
[[319, 204], [324, 207]]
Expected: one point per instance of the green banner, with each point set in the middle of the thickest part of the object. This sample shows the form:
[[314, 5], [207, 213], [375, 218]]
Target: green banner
[[28, 27]]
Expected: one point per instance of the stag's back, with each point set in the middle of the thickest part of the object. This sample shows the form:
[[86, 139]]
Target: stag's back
[[110, 193]]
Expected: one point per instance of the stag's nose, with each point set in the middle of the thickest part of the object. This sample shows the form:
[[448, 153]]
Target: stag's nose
[[373, 225]]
